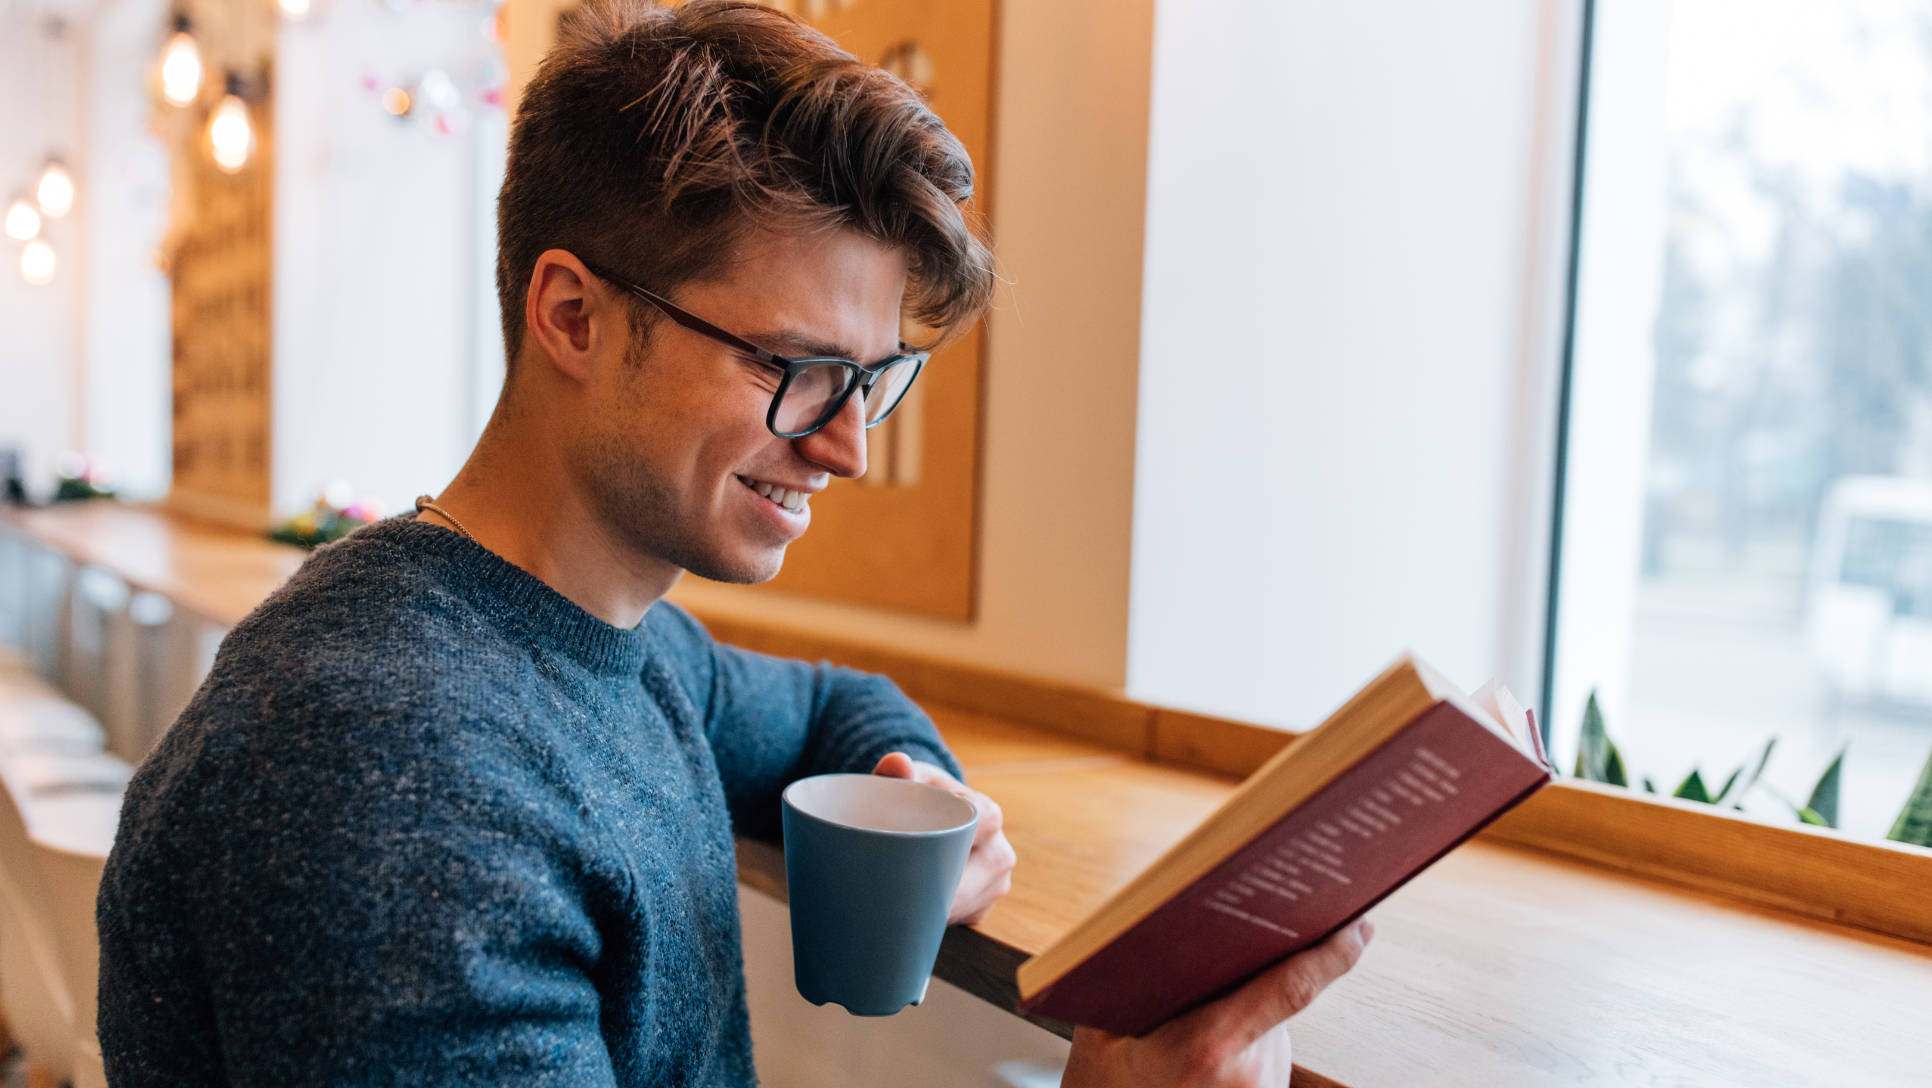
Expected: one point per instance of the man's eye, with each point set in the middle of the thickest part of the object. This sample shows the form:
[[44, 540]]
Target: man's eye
[[766, 374]]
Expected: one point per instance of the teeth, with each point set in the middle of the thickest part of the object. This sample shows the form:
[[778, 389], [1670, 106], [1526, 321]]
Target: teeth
[[790, 500]]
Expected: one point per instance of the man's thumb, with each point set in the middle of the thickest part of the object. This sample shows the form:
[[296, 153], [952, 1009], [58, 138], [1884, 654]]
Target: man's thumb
[[895, 765]]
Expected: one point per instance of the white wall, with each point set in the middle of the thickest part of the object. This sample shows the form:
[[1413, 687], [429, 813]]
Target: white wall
[[376, 334], [125, 351], [1348, 335], [39, 326]]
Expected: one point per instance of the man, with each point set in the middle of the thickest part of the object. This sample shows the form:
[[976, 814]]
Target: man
[[456, 805]]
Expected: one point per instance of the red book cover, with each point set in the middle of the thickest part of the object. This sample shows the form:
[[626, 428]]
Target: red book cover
[[1387, 817]]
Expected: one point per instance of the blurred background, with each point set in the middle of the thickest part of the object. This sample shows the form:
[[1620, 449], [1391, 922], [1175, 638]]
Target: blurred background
[[1581, 346], [351, 220], [1585, 346]]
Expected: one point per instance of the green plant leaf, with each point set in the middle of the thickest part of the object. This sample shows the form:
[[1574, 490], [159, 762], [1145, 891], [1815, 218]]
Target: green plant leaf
[[1914, 823], [1824, 796], [1811, 817], [1757, 772], [1589, 741], [1726, 790], [1693, 788], [1597, 759], [1649, 786], [1764, 759], [1613, 771]]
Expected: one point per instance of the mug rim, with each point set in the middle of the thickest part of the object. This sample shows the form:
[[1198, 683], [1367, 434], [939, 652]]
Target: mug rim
[[972, 819]]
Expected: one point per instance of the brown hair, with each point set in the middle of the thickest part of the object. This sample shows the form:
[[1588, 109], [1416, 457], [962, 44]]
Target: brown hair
[[652, 137]]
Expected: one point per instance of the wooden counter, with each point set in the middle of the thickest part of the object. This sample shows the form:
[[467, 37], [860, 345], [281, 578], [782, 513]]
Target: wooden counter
[[218, 573], [1499, 966]]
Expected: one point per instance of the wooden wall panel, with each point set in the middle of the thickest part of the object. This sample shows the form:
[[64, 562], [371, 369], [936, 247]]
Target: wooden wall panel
[[906, 536], [220, 258]]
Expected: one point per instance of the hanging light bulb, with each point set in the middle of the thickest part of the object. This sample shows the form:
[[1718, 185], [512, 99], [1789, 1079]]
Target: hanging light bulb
[[230, 136], [23, 220], [398, 101], [295, 9], [56, 190], [37, 263], [181, 65]]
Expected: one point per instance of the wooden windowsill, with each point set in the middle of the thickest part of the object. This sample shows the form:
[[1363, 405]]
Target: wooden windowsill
[[1682, 948]]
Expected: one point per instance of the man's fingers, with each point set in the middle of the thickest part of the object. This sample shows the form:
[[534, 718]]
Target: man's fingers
[[1284, 989], [896, 765], [901, 765], [1292, 986], [998, 856], [989, 868], [973, 913], [991, 819], [982, 889]]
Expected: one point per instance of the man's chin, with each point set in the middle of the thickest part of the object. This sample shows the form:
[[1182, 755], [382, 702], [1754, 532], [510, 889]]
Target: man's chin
[[741, 570]]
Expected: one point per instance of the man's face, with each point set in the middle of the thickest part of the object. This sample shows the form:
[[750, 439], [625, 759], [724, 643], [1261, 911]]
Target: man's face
[[678, 452]]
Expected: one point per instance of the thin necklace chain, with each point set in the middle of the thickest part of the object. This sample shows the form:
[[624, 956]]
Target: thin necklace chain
[[424, 502]]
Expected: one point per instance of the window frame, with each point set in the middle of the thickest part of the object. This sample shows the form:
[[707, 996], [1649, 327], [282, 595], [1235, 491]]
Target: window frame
[[1821, 872]]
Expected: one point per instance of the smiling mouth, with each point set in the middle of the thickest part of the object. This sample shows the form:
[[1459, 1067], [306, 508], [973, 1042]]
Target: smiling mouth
[[793, 501]]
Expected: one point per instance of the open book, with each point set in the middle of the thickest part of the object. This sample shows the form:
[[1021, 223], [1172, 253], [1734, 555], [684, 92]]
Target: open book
[[1348, 812]]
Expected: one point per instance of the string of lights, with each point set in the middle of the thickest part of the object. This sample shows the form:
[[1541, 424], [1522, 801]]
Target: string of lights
[[51, 197]]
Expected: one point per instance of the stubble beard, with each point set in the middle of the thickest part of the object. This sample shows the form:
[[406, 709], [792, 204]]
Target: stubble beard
[[638, 507], [642, 512]]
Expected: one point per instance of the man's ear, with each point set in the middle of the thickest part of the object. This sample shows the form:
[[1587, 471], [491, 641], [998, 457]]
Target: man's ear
[[569, 314]]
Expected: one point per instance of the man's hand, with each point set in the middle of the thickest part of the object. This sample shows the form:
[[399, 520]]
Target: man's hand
[[989, 868], [1240, 1041]]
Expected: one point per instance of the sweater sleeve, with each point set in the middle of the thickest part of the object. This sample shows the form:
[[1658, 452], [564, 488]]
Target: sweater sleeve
[[362, 921], [772, 720]]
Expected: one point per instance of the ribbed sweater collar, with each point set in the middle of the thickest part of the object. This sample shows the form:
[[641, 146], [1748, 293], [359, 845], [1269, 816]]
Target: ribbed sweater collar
[[547, 617]]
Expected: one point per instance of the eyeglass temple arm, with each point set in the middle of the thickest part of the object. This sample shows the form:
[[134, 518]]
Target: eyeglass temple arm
[[699, 325], [688, 319], [705, 328]]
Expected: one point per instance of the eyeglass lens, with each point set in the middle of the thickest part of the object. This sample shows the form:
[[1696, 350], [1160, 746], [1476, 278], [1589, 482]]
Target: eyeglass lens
[[814, 388], [889, 390]]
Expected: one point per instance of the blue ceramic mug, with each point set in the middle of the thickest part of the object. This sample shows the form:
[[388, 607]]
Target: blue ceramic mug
[[871, 866]]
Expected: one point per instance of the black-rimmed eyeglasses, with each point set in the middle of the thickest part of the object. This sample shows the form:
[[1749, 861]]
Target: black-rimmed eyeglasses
[[813, 390]]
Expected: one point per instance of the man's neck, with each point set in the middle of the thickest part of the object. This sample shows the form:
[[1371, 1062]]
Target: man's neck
[[524, 506]]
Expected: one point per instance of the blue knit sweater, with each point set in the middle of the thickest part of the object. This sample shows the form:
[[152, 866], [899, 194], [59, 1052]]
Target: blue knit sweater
[[430, 823]]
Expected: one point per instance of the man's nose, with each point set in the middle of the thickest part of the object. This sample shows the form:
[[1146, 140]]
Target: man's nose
[[839, 446]]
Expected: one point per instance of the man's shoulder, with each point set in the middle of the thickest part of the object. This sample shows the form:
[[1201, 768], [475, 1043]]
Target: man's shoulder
[[367, 618], [687, 649], [365, 651], [677, 632], [357, 596]]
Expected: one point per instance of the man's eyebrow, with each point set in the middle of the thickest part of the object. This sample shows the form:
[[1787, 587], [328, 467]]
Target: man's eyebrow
[[800, 345]]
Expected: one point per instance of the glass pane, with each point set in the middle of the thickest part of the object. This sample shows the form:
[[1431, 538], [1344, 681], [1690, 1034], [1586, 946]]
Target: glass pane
[[889, 389], [812, 388], [1768, 213]]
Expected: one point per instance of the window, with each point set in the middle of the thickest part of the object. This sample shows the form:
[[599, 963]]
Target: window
[[1746, 529]]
